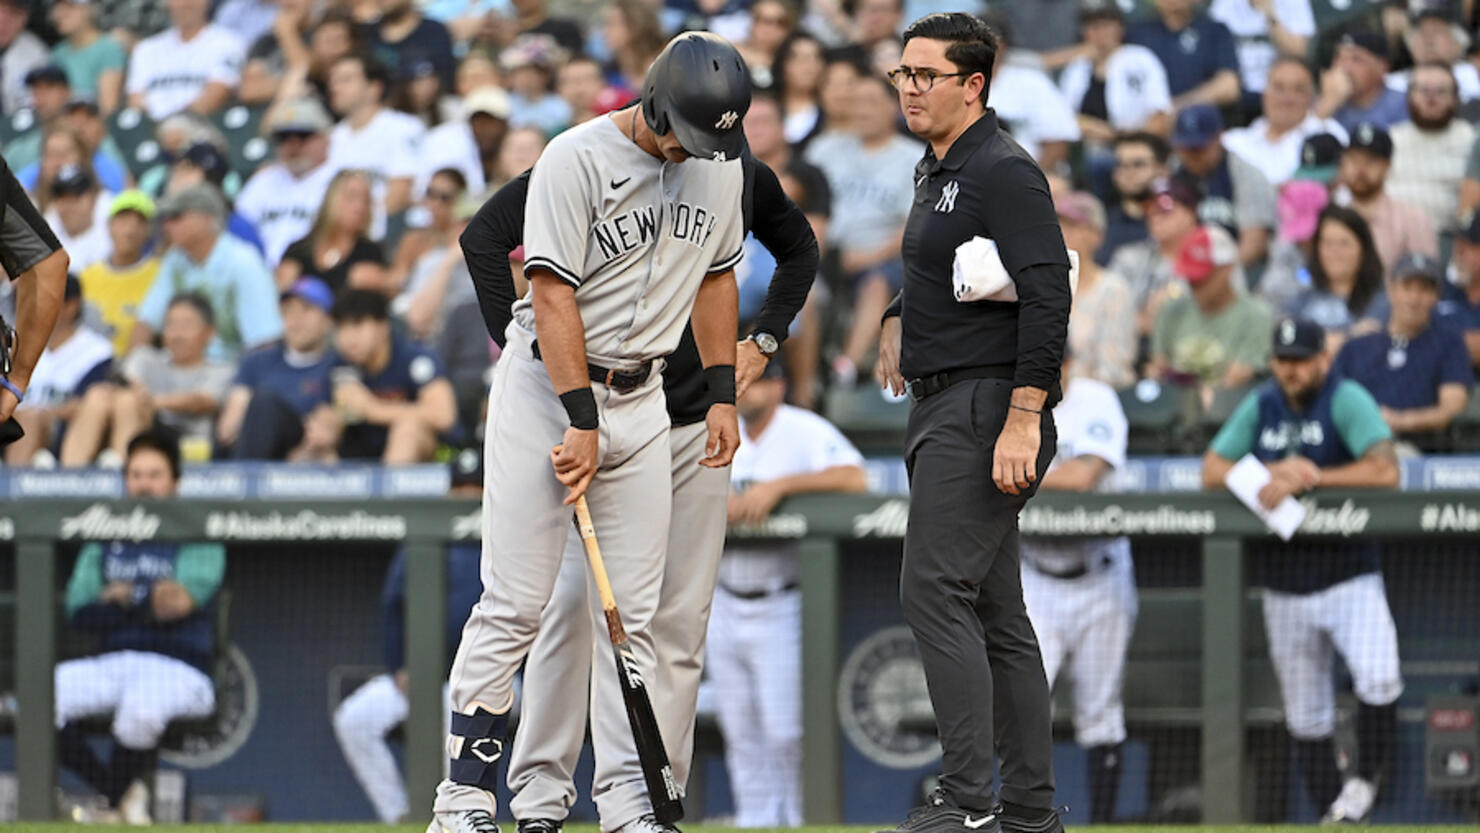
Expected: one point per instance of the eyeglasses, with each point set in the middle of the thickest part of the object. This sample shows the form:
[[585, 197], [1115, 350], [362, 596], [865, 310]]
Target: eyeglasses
[[923, 79]]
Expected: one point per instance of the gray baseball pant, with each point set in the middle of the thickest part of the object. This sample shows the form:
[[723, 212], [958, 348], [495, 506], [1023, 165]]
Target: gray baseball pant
[[551, 723]]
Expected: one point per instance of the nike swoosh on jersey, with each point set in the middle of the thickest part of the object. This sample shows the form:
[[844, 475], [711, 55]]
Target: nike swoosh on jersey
[[616, 184]]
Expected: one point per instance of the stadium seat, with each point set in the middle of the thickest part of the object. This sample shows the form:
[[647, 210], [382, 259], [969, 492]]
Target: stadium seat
[[133, 131], [1158, 415], [241, 124], [874, 424], [1208, 420], [17, 125]]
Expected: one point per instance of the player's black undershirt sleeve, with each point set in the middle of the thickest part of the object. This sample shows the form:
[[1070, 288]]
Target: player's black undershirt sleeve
[[895, 308], [496, 230], [780, 226]]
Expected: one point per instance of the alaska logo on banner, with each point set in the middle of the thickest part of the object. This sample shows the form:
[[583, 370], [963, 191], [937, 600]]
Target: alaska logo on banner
[[99, 523]]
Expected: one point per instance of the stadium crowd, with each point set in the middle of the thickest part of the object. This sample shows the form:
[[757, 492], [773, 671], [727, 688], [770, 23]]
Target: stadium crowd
[[262, 198]]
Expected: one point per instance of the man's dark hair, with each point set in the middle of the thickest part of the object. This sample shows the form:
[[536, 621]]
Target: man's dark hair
[[970, 43], [1159, 147], [153, 439], [375, 71], [197, 302], [355, 305]]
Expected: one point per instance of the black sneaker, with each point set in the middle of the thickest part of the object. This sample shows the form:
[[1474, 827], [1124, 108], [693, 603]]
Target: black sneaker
[[1015, 820], [539, 825], [940, 815]]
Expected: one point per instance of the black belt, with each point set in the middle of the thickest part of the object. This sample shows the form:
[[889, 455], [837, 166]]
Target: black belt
[[753, 595], [926, 386], [621, 381], [1078, 572]]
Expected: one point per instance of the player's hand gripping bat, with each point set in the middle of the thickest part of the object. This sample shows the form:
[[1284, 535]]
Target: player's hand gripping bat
[[663, 788]]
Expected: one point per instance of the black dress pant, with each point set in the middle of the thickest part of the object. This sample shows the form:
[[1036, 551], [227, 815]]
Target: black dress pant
[[962, 595]]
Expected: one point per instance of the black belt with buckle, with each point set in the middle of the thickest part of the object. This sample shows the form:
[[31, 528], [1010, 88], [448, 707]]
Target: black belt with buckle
[[754, 595], [621, 381], [927, 386]]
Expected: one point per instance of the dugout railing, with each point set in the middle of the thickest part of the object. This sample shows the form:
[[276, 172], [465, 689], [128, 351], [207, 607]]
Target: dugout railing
[[1216, 614]]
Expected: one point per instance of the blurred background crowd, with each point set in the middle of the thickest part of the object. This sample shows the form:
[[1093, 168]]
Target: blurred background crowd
[[262, 198]]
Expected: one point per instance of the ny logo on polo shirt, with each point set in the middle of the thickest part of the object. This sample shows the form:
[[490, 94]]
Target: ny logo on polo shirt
[[947, 202]]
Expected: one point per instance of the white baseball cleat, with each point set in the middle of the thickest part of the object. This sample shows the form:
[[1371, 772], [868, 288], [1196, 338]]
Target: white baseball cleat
[[646, 824], [463, 821], [1354, 804], [133, 807]]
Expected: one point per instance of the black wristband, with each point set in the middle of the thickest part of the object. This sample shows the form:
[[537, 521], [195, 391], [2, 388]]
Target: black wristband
[[720, 380], [580, 406]]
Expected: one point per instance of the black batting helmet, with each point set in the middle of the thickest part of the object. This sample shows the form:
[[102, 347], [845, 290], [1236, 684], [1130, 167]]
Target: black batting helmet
[[700, 88]]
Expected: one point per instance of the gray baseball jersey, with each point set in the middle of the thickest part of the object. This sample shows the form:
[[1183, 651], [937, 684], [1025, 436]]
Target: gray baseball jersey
[[633, 234]]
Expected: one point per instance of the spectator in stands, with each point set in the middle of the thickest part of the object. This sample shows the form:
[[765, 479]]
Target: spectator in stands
[[151, 606], [338, 248], [633, 37], [194, 65], [203, 258], [1236, 194], [1140, 160], [470, 144], [1434, 37], [363, 720], [1345, 297], [20, 52], [1196, 51], [403, 36], [419, 93], [1430, 150], [279, 389], [1114, 87], [1273, 142], [130, 20], [336, 36], [579, 83], [1081, 592], [464, 19], [428, 262], [1397, 227], [533, 18], [392, 400], [477, 70], [75, 359], [753, 658], [61, 149], [1028, 103], [174, 136], [278, 60], [1285, 273], [1460, 305], [117, 284], [1354, 90], [370, 136], [529, 65], [281, 199], [800, 74], [771, 23], [93, 59], [1171, 219], [74, 138], [1102, 322], [49, 93], [871, 173], [1262, 31], [1417, 369], [1311, 427], [1212, 335], [204, 163], [518, 153], [175, 388], [109, 165], [79, 216]]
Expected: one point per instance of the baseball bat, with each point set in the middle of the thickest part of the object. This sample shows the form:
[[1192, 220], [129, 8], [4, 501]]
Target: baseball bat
[[663, 789]]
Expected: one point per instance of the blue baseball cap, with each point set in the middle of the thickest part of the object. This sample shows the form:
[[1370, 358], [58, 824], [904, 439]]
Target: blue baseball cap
[[1197, 126], [312, 290]]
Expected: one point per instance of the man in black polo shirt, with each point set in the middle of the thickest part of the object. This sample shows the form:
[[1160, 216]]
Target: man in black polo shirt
[[983, 375]]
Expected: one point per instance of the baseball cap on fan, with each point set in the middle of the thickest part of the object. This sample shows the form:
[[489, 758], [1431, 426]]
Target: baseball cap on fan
[[488, 101], [1207, 250], [1319, 157], [300, 115], [1197, 127], [311, 290], [1374, 43]]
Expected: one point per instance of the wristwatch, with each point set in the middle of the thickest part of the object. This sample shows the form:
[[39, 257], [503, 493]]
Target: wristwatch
[[765, 342]]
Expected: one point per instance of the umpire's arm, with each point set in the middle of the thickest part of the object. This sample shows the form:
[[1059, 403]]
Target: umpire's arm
[[495, 231], [782, 228]]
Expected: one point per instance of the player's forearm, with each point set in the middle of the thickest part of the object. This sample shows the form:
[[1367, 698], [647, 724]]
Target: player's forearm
[[562, 334], [1377, 469], [716, 319], [38, 298], [1214, 470], [835, 479], [787, 234], [1073, 475]]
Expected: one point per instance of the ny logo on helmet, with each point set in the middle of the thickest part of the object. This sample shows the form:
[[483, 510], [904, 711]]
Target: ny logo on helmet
[[726, 121]]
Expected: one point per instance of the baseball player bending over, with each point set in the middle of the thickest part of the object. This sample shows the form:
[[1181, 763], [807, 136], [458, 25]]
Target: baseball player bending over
[[1313, 429], [556, 676], [626, 237], [1081, 592]]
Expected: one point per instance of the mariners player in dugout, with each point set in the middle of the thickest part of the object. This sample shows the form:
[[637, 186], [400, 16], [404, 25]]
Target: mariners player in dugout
[[983, 375], [1311, 428], [553, 717]]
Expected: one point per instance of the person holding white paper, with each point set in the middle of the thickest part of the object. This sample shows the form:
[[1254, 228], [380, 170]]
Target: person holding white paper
[[1313, 429]]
